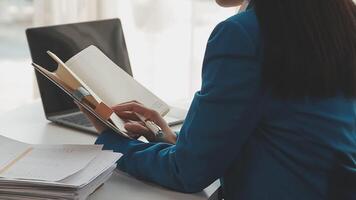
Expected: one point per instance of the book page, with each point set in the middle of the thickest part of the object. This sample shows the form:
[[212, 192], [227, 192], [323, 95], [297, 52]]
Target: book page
[[112, 84]]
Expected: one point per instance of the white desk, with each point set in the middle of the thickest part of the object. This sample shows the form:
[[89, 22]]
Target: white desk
[[28, 124]]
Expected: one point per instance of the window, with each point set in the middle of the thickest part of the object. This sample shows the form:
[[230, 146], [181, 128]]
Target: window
[[16, 77], [166, 42]]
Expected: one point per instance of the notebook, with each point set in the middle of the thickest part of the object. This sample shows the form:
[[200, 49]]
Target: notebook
[[97, 83]]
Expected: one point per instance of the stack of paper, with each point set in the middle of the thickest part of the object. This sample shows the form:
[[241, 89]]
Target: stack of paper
[[52, 171]]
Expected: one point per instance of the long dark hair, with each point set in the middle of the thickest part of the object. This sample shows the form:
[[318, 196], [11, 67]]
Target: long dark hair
[[309, 47]]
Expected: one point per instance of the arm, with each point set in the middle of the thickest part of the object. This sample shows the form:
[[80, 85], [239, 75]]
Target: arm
[[221, 118]]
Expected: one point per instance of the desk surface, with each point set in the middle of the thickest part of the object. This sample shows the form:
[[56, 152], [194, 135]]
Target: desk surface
[[28, 124]]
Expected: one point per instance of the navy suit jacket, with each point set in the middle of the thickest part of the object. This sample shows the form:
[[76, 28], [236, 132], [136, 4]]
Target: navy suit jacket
[[260, 147]]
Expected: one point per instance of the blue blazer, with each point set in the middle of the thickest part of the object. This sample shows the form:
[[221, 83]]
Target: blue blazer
[[260, 147]]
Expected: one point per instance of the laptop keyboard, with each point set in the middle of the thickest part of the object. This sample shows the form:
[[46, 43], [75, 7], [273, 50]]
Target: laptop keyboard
[[81, 120], [78, 118]]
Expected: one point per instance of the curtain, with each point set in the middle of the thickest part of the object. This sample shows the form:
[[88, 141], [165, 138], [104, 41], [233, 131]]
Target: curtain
[[51, 12], [165, 38]]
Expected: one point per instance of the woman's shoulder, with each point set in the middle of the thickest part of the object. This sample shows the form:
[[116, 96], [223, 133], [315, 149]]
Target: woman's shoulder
[[239, 34], [248, 22], [247, 19]]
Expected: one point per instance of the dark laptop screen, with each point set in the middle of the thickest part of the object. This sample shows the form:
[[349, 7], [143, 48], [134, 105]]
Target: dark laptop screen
[[67, 40]]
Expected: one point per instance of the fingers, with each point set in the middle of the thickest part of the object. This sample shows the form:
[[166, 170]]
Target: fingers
[[137, 108], [130, 106], [136, 129], [128, 115]]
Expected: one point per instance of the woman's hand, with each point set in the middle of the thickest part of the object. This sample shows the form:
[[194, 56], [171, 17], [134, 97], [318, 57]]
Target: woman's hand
[[135, 126]]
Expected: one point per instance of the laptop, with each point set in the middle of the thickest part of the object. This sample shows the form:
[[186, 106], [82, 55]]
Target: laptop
[[66, 41]]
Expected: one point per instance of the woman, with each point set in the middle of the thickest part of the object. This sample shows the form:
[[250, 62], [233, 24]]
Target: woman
[[275, 116]]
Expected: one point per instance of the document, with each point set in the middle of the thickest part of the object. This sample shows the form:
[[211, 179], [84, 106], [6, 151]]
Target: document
[[42, 162], [9, 150], [52, 164], [101, 163], [53, 171]]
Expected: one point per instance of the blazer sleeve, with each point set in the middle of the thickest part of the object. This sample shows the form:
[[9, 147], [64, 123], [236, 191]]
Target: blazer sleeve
[[222, 115]]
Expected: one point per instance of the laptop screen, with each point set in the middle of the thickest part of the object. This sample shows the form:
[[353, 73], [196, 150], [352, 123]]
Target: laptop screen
[[66, 41]]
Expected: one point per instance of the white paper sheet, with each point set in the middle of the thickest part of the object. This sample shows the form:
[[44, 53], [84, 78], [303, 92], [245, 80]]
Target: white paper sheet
[[53, 171], [101, 163], [48, 163], [9, 149]]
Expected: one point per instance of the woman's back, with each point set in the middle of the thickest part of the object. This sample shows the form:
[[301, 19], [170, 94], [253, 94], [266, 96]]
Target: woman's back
[[303, 149], [305, 145]]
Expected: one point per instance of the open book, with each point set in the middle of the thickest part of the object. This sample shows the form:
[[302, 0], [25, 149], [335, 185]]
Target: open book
[[97, 84]]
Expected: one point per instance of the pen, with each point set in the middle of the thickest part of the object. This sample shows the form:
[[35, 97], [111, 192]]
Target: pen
[[156, 130]]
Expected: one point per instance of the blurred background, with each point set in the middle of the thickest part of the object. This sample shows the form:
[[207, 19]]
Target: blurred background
[[166, 40]]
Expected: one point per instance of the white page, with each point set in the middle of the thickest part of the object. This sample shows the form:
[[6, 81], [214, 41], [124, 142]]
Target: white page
[[19, 197], [100, 164], [108, 81], [84, 192], [10, 150], [29, 192], [52, 162], [43, 193]]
